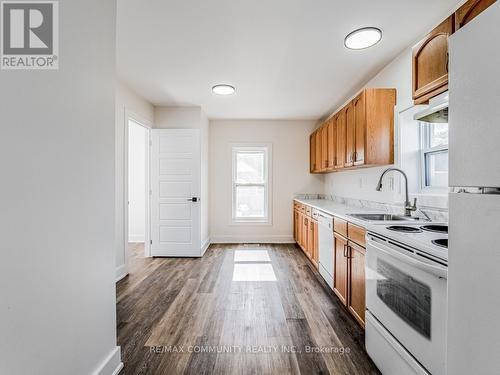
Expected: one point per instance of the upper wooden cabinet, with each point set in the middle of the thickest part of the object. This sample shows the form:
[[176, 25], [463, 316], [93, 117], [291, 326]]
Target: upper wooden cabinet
[[318, 151], [312, 153], [359, 109], [374, 127], [332, 136], [430, 63], [470, 10], [361, 134], [340, 139], [349, 135], [324, 148]]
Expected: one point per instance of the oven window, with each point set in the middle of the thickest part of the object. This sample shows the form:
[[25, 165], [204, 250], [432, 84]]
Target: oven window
[[408, 298]]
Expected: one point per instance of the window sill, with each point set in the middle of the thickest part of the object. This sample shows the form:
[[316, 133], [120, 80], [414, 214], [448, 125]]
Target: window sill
[[250, 223]]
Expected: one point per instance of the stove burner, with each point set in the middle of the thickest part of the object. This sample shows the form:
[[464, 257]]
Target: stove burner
[[400, 228], [443, 242], [435, 228]]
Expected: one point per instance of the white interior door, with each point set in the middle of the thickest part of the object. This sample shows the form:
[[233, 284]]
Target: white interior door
[[175, 181]]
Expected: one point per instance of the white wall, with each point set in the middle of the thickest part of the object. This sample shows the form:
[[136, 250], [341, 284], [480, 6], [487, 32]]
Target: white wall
[[205, 181], [127, 103], [290, 142], [192, 118], [177, 117], [57, 145], [137, 143]]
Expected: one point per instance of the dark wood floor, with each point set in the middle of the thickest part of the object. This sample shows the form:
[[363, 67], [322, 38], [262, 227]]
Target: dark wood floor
[[188, 316]]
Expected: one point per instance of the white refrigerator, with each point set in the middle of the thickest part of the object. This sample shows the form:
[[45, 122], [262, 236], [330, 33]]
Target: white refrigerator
[[473, 325]]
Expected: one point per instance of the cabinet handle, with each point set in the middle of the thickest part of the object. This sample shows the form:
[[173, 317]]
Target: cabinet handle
[[354, 156], [345, 248]]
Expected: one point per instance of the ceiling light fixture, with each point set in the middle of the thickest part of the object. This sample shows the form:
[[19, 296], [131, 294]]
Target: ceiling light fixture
[[223, 89], [363, 38]]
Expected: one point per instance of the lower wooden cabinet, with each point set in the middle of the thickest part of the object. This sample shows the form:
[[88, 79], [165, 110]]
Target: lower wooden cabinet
[[296, 224], [348, 256], [356, 281], [349, 266], [305, 236], [305, 232], [315, 243], [340, 268]]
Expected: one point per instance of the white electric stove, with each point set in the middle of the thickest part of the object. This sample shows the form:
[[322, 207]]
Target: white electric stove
[[406, 297]]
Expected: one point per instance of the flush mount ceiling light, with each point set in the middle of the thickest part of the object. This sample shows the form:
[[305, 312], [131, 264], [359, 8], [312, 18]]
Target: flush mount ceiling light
[[223, 89], [363, 38]]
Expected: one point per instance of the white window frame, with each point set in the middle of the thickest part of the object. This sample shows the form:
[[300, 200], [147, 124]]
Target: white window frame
[[425, 150], [257, 147]]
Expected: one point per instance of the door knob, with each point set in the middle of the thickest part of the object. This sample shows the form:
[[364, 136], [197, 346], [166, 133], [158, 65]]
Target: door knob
[[194, 199]]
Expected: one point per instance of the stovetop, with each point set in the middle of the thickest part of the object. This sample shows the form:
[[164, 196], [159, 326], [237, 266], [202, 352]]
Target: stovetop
[[431, 238]]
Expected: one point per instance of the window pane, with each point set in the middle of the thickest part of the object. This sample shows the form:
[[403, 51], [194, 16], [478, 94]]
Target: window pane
[[436, 168], [438, 134], [250, 167], [250, 202]]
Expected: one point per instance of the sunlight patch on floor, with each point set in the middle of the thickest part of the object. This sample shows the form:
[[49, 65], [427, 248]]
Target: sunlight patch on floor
[[254, 272]]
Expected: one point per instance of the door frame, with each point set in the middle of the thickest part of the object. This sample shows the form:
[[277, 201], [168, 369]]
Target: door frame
[[148, 125]]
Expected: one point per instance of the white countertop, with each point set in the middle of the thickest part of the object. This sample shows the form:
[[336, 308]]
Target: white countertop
[[420, 241]]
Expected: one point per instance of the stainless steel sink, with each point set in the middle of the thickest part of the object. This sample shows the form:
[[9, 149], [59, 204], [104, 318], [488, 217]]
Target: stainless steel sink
[[384, 217]]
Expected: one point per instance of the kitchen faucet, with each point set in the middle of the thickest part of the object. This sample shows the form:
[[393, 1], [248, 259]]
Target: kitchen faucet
[[408, 206]]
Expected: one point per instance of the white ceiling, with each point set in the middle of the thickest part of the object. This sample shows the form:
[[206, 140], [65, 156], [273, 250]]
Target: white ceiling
[[286, 58]]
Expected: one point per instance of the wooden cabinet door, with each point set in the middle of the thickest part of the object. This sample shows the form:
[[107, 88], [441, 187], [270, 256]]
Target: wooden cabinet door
[[324, 148], [430, 63], [312, 153], [356, 289], [305, 237], [470, 10], [340, 144], [349, 136], [300, 226], [318, 157], [310, 239], [315, 248], [359, 128], [340, 266], [296, 225], [331, 143]]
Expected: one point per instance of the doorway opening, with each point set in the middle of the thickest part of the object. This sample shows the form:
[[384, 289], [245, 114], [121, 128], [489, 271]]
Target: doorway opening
[[137, 237]]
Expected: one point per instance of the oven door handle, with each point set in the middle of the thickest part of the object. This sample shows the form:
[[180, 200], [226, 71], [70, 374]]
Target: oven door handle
[[438, 271]]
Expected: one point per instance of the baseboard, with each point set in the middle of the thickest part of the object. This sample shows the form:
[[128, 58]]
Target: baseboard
[[112, 365], [120, 272], [205, 246], [251, 239], [134, 238]]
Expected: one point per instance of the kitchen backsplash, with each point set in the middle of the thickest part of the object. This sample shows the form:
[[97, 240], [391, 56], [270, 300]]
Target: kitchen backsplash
[[435, 214]]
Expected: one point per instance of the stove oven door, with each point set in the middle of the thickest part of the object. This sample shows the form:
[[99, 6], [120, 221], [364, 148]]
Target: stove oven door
[[406, 293]]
